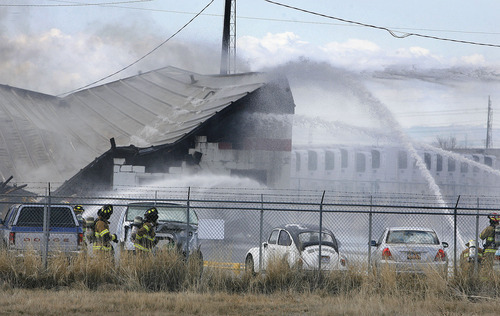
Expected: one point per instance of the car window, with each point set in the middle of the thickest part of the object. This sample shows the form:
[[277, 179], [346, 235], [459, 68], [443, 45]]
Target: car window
[[284, 239], [273, 238], [412, 237], [7, 215], [32, 216], [172, 213], [312, 237], [381, 239]]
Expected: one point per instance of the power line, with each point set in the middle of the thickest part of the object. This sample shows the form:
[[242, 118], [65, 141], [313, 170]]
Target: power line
[[440, 113], [73, 4], [393, 33], [144, 56], [240, 17]]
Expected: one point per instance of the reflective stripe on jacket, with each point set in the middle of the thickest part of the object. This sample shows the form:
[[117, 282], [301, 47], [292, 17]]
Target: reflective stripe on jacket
[[488, 235], [145, 237], [102, 236]]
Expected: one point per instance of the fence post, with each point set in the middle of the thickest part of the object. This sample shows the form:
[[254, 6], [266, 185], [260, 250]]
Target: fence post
[[455, 238], [476, 236], [46, 227], [187, 225], [320, 233], [261, 228], [370, 223]]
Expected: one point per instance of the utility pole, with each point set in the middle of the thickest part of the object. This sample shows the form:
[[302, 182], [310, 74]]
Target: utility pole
[[228, 53], [489, 124]]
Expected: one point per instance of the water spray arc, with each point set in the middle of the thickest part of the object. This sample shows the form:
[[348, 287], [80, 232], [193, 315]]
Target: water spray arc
[[461, 158], [381, 112]]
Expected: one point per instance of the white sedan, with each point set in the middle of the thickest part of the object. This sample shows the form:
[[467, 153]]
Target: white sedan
[[298, 244], [409, 249]]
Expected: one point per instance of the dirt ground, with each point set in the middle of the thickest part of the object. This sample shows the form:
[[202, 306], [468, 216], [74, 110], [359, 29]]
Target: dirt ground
[[117, 302]]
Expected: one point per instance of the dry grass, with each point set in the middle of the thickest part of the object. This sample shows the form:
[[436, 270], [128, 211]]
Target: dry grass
[[120, 302], [165, 284]]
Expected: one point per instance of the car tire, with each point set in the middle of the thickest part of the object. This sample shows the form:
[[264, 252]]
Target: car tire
[[375, 270], [249, 265], [298, 266], [201, 262], [198, 262]]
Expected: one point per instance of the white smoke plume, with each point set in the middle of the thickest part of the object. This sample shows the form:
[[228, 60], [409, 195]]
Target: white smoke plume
[[54, 62]]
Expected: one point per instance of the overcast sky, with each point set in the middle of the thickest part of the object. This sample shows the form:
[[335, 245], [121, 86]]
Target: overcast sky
[[57, 46]]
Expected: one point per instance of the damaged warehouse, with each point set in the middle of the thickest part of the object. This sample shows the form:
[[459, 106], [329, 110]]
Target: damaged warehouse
[[156, 124]]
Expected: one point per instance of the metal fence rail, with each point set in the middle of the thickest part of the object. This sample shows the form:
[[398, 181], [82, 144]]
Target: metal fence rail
[[233, 221]]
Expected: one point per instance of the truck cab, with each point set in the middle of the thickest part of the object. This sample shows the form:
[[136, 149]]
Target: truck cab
[[22, 228]]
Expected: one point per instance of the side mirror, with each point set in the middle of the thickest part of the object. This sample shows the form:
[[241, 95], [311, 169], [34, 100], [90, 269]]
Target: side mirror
[[445, 244], [265, 244], [373, 243]]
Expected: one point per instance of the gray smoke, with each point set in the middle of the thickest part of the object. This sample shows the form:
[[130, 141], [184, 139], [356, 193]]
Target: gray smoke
[[54, 62]]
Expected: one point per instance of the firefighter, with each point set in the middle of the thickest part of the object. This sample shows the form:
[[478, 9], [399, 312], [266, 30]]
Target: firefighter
[[103, 238], [144, 239], [488, 235], [468, 256], [78, 209]]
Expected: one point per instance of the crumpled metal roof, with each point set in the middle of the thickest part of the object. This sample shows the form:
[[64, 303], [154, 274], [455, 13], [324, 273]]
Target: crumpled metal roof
[[46, 138]]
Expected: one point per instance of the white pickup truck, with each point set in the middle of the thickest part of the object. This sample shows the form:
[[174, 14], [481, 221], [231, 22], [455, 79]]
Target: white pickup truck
[[22, 228]]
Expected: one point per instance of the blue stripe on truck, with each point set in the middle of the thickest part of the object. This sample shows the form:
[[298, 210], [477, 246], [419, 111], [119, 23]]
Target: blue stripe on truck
[[51, 229]]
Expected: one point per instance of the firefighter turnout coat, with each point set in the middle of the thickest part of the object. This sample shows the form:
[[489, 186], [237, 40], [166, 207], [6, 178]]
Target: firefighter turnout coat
[[102, 236], [145, 238], [488, 235]]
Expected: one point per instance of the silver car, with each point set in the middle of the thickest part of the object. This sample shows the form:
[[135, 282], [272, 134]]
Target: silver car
[[409, 249]]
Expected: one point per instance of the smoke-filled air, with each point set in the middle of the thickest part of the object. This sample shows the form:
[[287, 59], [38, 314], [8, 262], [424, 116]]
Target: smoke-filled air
[[346, 91]]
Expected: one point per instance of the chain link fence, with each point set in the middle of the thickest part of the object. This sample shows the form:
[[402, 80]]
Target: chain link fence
[[231, 221]]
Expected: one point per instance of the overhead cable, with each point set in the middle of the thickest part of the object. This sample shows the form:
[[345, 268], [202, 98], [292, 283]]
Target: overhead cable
[[116, 4], [74, 4], [393, 33], [144, 56]]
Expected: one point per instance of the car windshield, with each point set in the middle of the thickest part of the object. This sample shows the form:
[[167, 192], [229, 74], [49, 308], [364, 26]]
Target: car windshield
[[412, 237], [32, 216], [166, 213], [313, 237]]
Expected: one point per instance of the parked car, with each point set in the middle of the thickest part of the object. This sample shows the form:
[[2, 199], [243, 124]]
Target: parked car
[[22, 228], [172, 230], [409, 249], [298, 244]]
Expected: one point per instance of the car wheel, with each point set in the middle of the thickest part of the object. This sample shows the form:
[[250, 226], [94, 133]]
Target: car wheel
[[299, 265], [445, 272], [375, 270], [249, 265], [196, 258]]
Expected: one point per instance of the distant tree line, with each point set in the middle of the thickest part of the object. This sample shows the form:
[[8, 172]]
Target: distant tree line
[[446, 143]]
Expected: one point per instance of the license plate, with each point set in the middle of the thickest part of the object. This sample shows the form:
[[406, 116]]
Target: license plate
[[413, 256], [325, 259]]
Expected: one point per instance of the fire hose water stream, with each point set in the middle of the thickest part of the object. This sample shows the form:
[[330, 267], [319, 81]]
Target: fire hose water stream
[[380, 112]]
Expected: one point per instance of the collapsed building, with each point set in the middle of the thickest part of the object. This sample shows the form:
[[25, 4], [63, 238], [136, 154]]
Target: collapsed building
[[147, 127], [170, 122]]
